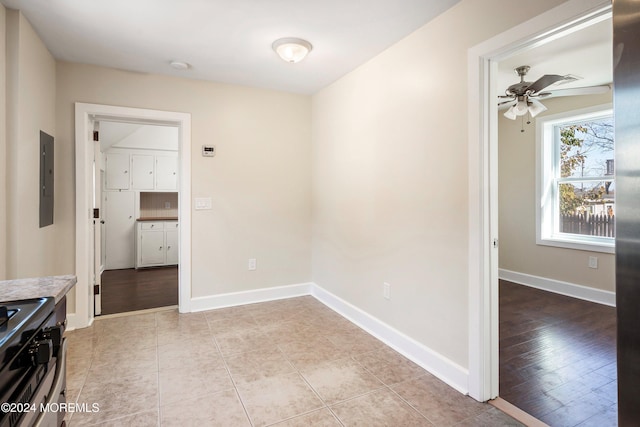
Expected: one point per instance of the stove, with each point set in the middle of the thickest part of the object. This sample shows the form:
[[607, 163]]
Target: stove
[[32, 363]]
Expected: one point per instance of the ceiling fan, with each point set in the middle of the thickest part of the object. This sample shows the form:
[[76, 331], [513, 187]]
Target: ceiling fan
[[524, 97]]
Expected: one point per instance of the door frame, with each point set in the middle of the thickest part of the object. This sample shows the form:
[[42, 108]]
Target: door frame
[[84, 112], [482, 115]]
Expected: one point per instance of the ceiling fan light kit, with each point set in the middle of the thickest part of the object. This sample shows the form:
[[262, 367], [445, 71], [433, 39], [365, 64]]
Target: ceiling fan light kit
[[523, 97], [292, 49]]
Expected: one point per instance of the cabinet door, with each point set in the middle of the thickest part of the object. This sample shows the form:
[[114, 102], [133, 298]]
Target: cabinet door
[[171, 240], [119, 229], [166, 173], [142, 171], [152, 251], [117, 167]]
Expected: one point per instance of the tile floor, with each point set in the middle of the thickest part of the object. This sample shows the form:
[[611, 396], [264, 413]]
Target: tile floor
[[291, 362]]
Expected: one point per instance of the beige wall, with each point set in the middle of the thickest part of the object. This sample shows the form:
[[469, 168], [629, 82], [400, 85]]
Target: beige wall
[[259, 180], [517, 171], [31, 250], [3, 145], [390, 177]]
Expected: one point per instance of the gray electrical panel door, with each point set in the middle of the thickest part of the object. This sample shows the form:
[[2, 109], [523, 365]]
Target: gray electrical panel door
[[46, 179]]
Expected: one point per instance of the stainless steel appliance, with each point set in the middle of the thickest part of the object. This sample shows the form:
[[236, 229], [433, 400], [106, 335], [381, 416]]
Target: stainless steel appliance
[[32, 364], [626, 82]]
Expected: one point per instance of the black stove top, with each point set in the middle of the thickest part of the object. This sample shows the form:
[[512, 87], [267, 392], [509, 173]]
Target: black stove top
[[19, 321]]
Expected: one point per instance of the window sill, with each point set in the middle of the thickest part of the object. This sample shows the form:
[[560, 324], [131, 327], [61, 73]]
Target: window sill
[[578, 244]]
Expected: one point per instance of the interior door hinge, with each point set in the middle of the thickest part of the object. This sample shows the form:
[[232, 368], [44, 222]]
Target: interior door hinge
[[96, 135], [96, 289]]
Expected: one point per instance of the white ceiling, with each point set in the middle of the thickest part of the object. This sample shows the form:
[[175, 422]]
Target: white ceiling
[[586, 53], [227, 41]]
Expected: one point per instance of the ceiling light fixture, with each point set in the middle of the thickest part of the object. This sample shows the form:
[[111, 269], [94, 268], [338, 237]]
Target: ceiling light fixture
[[292, 49], [523, 106], [179, 65]]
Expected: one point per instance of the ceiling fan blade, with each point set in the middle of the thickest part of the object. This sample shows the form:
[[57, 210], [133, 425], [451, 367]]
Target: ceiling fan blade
[[587, 90], [546, 81]]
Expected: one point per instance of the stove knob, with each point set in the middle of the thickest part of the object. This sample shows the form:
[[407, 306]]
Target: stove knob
[[53, 333], [41, 352]]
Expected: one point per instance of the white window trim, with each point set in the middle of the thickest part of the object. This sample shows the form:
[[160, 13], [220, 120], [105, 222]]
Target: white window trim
[[545, 155]]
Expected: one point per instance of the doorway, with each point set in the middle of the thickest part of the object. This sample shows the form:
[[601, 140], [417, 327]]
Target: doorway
[[139, 222], [87, 252], [483, 177]]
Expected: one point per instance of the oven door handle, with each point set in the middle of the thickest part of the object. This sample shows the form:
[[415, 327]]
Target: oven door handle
[[58, 383]]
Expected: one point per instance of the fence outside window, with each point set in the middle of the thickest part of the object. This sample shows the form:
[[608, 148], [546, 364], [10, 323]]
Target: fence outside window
[[601, 225]]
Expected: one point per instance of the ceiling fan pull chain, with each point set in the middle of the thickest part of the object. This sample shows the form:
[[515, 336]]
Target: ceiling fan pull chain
[[522, 122]]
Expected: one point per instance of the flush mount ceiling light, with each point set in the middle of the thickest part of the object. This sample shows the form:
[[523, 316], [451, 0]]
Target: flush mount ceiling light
[[179, 65], [292, 49]]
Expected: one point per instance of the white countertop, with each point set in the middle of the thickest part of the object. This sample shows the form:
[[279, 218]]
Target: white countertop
[[37, 287]]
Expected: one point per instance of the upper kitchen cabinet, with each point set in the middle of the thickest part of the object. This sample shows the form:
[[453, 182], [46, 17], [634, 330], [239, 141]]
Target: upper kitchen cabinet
[[117, 171], [142, 172], [166, 173]]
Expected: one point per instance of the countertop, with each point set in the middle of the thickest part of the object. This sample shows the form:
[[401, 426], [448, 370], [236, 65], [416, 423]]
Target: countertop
[[37, 287], [158, 218]]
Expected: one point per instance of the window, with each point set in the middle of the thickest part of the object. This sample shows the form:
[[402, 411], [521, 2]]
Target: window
[[576, 180]]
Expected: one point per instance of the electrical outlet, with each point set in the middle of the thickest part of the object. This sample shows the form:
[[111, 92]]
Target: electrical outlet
[[593, 262], [252, 264], [386, 290]]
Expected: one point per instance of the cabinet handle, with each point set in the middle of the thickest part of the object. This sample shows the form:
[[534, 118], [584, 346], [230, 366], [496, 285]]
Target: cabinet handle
[[126, 171], [160, 248], [152, 225], [150, 172], [168, 247], [130, 216]]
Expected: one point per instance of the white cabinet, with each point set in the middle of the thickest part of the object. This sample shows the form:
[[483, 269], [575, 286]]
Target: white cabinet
[[156, 243], [119, 229], [138, 170], [166, 173], [117, 171], [142, 172], [171, 241]]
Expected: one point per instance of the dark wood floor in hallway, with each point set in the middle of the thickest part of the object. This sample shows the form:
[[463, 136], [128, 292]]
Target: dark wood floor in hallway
[[131, 289], [558, 357]]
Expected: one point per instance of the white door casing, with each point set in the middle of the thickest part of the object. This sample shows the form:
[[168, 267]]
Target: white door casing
[[83, 313]]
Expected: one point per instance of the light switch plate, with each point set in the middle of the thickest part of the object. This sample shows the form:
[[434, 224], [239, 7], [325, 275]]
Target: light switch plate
[[203, 203]]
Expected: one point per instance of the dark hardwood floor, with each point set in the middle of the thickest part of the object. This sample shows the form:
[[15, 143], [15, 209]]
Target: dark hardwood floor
[[558, 357], [131, 289]]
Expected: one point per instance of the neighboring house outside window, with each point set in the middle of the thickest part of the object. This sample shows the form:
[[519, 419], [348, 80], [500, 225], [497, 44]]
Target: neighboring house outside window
[[576, 180]]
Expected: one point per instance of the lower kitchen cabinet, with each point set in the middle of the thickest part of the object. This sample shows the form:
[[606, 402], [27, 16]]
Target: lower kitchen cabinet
[[156, 243]]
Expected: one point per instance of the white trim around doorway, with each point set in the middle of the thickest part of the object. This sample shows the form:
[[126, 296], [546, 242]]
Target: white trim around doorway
[[84, 315], [482, 113]]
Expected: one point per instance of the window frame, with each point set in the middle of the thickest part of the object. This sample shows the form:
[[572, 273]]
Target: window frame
[[547, 171]]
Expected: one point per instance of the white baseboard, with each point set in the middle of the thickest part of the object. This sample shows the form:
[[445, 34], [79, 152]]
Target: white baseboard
[[559, 287], [249, 297], [451, 373], [74, 322]]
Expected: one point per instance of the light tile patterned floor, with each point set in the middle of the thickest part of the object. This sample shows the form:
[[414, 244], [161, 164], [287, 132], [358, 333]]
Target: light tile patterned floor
[[291, 362]]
